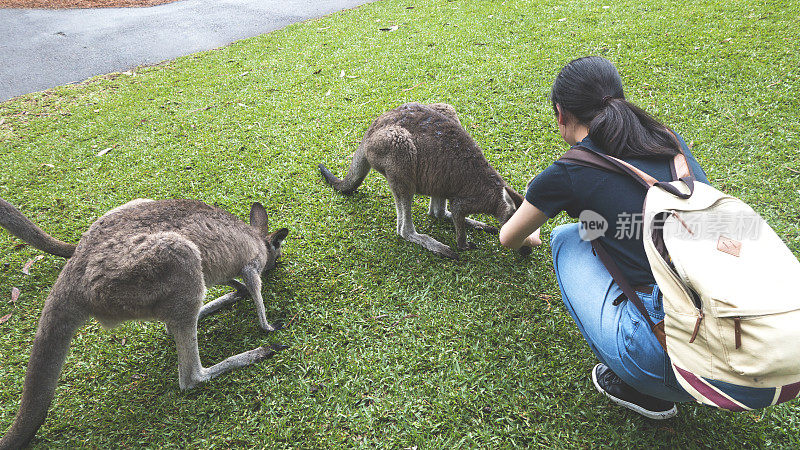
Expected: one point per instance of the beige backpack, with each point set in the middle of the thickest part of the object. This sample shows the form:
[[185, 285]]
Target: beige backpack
[[732, 315]]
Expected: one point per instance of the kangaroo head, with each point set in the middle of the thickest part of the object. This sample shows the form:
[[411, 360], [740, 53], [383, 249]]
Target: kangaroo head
[[260, 221], [511, 200]]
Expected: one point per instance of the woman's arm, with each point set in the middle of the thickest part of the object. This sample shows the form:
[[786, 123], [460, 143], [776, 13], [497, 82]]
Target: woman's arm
[[523, 227]]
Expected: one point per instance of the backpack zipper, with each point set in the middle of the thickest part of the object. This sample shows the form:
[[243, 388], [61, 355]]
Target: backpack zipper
[[675, 214], [697, 326]]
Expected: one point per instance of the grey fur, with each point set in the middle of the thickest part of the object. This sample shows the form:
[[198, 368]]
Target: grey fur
[[423, 149], [20, 226], [149, 260]]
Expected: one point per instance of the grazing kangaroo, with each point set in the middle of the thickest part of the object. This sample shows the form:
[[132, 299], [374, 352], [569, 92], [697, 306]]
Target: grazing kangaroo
[[423, 149], [149, 260], [20, 226]]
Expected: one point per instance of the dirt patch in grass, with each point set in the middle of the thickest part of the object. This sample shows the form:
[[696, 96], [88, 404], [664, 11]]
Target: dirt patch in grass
[[61, 4]]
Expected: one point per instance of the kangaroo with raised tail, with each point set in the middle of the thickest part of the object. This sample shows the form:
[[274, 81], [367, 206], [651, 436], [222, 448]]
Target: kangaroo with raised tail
[[423, 149], [20, 226], [149, 260]]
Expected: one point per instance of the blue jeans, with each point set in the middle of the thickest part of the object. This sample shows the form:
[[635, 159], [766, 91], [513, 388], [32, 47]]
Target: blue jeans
[[618, 335]]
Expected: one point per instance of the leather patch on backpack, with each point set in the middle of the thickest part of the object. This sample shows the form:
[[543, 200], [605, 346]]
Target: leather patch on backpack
[[729, 246]]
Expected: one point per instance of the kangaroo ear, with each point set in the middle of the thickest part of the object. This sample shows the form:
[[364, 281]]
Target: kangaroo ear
[[276, 238], [259, 219], [515, 197]]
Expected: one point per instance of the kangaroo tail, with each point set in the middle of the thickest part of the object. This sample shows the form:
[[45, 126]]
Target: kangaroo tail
[[20, 226], [359, 168], [50, 345]]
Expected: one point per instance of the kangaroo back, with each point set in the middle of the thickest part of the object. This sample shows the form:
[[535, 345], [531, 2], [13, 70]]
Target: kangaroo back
[[20, 226], [50, 345]]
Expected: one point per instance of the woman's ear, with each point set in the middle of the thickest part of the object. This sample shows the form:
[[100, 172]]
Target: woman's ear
[[561, 115]]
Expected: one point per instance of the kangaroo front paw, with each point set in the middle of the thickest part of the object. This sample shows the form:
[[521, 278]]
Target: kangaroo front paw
[[491, 230], [469, 245]]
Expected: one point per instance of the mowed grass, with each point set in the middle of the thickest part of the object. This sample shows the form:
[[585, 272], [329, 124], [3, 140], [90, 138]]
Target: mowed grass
[[391, 346]]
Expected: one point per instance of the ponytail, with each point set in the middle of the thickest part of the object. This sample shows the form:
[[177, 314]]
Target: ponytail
[[590, 89]]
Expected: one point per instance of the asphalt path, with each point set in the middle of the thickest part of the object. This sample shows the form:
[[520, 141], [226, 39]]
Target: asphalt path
[[40, 49]]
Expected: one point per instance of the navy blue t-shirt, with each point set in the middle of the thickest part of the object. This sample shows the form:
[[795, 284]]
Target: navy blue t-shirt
[[618, 198]]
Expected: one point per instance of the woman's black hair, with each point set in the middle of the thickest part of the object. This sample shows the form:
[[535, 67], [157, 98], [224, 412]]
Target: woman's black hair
[[590, 89]]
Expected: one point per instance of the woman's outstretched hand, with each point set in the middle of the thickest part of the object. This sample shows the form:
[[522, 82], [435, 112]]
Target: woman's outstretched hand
[[522, 229], [534, 240]]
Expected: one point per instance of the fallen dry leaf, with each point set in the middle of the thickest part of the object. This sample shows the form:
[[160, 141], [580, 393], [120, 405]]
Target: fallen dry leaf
[[5, 318], [103, 151], [27, 267], [15, 293], [546, 298], [412, 87]]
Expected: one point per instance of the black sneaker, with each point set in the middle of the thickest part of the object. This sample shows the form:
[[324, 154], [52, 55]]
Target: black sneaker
[[612, 386]]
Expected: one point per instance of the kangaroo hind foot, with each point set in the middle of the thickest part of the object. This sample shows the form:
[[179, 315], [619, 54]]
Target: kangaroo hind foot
[[190, 370], [405, 228]]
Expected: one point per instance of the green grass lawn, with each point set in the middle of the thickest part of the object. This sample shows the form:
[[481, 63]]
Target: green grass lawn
[[390, 345]]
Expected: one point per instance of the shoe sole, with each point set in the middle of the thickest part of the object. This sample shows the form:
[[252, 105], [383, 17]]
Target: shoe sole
[[632, 406]]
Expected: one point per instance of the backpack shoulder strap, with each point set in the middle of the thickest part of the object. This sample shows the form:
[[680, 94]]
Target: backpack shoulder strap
[[589, 158], [680, 167], [627, 289]]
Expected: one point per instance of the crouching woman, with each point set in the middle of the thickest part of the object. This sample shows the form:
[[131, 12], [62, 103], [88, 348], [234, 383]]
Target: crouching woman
[[591, 110]]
